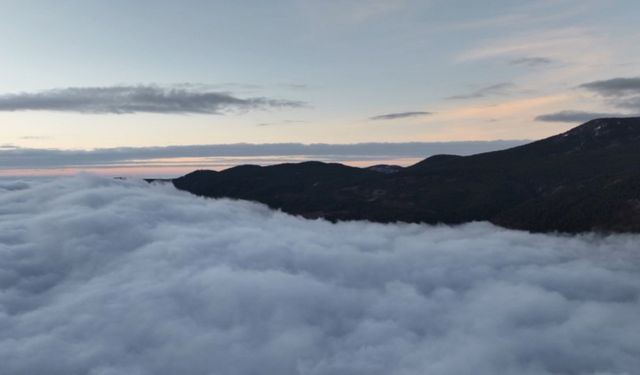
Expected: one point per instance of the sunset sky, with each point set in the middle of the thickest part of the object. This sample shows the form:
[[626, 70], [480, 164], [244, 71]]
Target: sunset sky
[[79, 75]]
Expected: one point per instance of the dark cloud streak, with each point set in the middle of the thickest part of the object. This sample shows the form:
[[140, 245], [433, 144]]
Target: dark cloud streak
[[284, 122], [492, 90], [619, 92], [623, 93], [616, 87], [400, 115], [574, 116], [531, 62], [137, 99]]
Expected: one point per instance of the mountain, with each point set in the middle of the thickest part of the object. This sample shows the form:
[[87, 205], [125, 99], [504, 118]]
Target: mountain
[[586, 179]]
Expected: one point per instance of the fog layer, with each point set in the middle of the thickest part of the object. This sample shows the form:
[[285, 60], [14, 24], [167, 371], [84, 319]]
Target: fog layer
[[103, 277]]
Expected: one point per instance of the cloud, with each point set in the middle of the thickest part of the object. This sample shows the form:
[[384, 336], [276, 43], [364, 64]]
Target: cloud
[[15, 157], [35, 137], [136, 99], [283, 122], [631, 102], [531, 61], [351, 12], [400, 115], [514, 108], [622, 93], [564, 44], [492, 90], [100, 276], [616, 87], [574, 116], [619, 92]]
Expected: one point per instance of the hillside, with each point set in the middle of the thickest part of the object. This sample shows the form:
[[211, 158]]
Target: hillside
[[585, 179]]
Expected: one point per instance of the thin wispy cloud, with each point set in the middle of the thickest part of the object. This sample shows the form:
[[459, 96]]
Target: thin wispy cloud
[[284, 122], [16, 157], [35, 137], [492, 90], [522, 15], [350, 11], [400, 115], [137, 99], [513, 108], [575, 116], [531, 61], [564, 44]]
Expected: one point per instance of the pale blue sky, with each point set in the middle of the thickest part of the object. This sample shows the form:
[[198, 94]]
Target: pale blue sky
[[483, 70]]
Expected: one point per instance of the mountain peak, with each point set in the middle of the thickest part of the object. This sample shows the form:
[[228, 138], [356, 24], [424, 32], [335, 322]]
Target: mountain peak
[[594, 135], [607, 128]]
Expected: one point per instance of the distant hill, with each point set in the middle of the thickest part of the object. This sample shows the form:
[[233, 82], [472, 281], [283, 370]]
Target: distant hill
[[586, 179]]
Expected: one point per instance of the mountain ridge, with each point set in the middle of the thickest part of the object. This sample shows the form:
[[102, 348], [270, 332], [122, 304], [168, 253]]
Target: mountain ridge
[[585, 179]]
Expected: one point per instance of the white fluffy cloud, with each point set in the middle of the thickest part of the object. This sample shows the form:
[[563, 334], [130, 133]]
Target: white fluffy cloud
[[105, 277]]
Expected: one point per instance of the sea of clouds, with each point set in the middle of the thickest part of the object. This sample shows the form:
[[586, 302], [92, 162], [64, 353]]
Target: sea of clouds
[[101, 277]]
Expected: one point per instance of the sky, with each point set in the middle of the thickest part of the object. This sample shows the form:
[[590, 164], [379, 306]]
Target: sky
[[88, 74], [107, 276]]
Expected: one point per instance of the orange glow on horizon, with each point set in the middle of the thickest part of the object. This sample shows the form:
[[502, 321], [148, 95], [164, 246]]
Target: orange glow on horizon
[[170, 171]]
